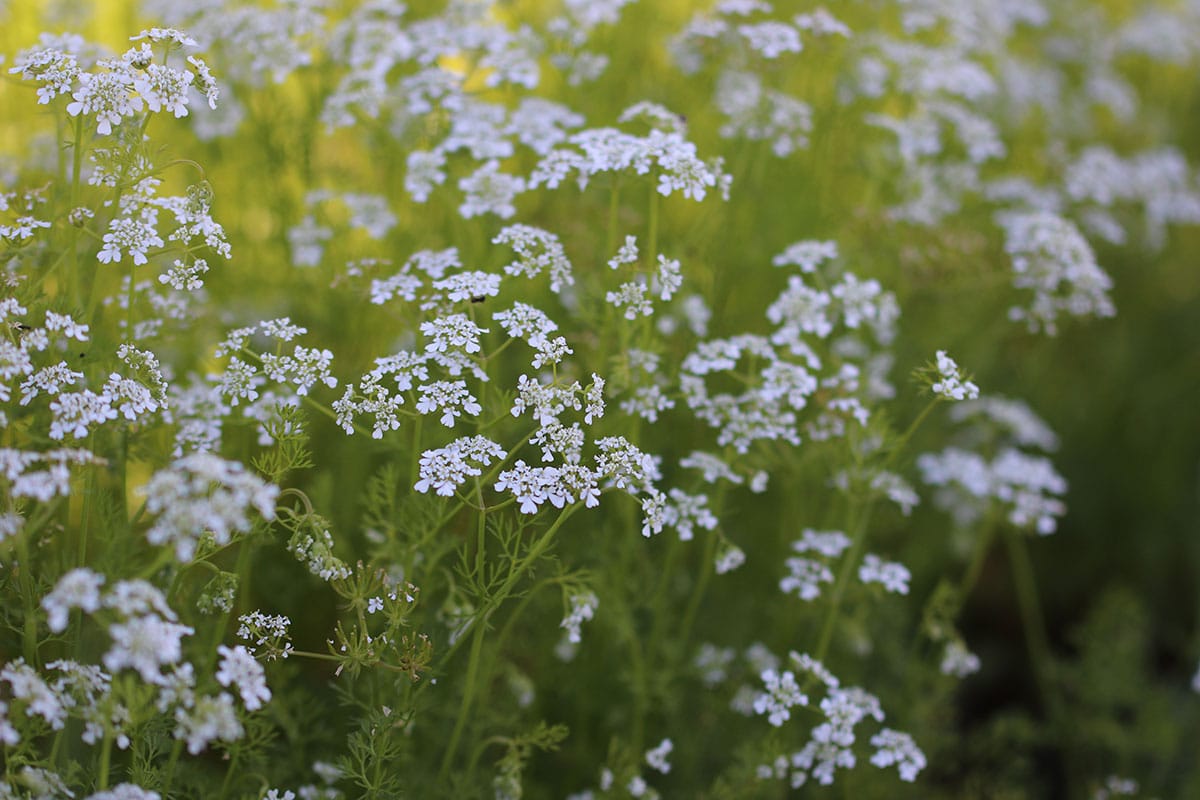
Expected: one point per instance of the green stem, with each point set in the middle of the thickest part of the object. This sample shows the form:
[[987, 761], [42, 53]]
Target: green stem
[[29, 629], [657, 603], [614, 207], [73, 243], [983, 545], [1032, 620], [858, 539], [468, 695], [415, 472], [85, 514], [177, 750], [652, 236], [693, 606], [105, 759], [229, 773], [480, 621]]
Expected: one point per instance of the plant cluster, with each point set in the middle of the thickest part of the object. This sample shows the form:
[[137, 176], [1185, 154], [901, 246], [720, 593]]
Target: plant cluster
[[420, 402]]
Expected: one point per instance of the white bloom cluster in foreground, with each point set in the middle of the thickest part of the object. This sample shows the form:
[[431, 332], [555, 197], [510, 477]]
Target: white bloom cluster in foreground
[[204, 493]]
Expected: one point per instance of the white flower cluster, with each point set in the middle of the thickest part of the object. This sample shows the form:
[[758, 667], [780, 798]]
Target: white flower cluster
[[268, 632], [781, 695], [665, 153], [892, 575], [313, 546], [447, 468], [805, 575], [238, 666], [958, 661], [145, 638], [950, 383], [830, 746], [583, 609], [735, 36], [122, 87], [42, 485], [537, 251], [1027, 486], [203, 493], [1051, 258]]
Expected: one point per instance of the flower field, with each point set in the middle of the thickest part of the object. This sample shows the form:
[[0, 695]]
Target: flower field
[[599, 399]]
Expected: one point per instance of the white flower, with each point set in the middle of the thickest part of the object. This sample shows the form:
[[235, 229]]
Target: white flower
[[668, 278], [806, 578], [108, 95], [525, 322], [771, 38], [633, 297], [531, 486], [452, 331], [729, 558], [79, 588], [145, 644], [537, 251], [647, 402], [952, 385], [472, 286], [132, 236], [203, 492], [687, 512], [305, 367], [807, 255], [628, 254], [424, 173], [239, 667], [895, 747], [657, 757], [40, 699], [958, 661], [447, 468], [164, 88], [210, 719], [782, 693], [583, 608], [75, 413], [489, 191], [69, 327], [185, 277], [1051, 258], [450, 397], [892, 575], [830, 544]]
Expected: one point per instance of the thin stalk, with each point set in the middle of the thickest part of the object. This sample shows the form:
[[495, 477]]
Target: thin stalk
[[229, 773], [652, 236], [415, 470], [468, 695], [29, 629], [480, 622], [85, 512], [983, 546], [172, 760], [73, 239], [858, 540], [105, 759], [614, 208], [1032, 621], [693, 606]]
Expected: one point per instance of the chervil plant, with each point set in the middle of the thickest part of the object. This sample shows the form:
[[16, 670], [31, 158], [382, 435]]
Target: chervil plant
[[556, 399]]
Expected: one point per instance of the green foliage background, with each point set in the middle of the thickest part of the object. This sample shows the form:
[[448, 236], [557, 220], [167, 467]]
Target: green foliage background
[[1118, 580]]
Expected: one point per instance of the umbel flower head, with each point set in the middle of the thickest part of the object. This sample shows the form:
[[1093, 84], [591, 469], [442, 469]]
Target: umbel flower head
[[203, 492]]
